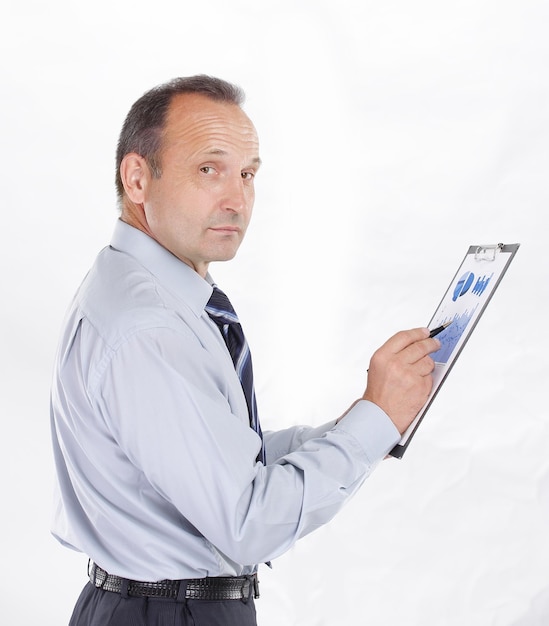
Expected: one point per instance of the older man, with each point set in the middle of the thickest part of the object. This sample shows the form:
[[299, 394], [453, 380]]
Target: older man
[[165, 479]]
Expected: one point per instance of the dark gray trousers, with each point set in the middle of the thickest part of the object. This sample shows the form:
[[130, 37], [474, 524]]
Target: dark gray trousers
[[96, 607]]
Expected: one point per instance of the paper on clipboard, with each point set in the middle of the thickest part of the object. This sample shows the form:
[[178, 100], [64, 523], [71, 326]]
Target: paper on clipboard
[[463, 303]]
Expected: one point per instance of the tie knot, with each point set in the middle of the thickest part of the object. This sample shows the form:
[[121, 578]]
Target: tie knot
[[220, 308]]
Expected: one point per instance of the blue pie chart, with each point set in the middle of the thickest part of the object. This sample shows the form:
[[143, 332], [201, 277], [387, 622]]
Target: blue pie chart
[[463, 285]]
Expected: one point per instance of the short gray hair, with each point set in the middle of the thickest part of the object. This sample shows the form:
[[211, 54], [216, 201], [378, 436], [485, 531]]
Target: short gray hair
[[142, 129]]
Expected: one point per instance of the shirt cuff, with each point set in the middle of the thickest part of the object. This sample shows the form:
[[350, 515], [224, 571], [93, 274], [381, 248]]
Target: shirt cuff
[[372, 428]]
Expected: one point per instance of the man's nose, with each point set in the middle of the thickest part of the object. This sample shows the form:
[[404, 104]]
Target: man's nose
[[237, 197]]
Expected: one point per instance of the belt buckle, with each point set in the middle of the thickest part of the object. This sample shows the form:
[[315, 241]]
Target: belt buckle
[[252, 583], [255, 584]]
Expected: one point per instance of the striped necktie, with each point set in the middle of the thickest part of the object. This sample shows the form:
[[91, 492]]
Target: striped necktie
[[222, 313]]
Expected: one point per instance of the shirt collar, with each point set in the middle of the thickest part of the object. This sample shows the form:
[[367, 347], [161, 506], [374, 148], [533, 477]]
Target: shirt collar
[[175, 275]]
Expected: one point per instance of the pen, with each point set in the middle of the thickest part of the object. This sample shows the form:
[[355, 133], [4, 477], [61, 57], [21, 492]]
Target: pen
[[439, 329]]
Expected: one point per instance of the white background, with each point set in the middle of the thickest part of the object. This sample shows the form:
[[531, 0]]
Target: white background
[[394, 134]]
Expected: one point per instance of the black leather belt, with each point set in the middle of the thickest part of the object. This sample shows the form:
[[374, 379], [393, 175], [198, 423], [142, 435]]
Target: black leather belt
[[210, 588]]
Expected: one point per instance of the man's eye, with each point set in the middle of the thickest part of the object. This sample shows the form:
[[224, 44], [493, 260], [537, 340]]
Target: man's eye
[[206, 169], [247, 175]]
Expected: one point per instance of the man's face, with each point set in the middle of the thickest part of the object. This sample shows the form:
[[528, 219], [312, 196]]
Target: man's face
[[200, 207]]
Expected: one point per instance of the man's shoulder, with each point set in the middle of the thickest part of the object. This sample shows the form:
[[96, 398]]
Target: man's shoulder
[[120, 296]]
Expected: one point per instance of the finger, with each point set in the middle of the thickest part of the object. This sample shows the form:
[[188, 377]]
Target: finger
[[425, 366], [404, 338], [418, 350]]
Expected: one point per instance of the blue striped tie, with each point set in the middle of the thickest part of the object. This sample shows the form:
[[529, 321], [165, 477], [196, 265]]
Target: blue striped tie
[[222, 313]]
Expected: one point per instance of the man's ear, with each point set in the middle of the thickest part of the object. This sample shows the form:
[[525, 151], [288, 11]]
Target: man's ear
[[135, 175]]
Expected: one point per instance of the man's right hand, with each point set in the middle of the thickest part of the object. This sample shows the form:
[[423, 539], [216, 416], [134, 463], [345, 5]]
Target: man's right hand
[[399, 376]]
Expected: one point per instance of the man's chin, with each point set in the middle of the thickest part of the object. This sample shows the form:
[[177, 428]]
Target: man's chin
[[227, 254]]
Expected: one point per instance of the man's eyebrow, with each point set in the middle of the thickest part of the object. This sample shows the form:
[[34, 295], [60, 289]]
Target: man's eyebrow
[[256, 161]]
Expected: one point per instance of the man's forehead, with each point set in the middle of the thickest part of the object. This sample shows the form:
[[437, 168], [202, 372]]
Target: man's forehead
[[197, 118], [192, 109]]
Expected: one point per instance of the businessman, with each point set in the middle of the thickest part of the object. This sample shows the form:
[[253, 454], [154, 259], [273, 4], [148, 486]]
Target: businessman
[[165, 479]]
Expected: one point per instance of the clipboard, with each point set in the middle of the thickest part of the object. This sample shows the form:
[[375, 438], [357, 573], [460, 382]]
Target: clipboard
[[464, 302]]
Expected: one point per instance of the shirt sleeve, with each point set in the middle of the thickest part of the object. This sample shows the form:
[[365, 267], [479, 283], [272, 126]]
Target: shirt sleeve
[[165, 402], [278, 443]]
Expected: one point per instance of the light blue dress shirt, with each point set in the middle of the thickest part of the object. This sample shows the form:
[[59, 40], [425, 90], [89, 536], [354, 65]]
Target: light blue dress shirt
[[155, 458]]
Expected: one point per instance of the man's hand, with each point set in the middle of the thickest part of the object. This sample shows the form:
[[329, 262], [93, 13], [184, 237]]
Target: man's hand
[[399, 376]]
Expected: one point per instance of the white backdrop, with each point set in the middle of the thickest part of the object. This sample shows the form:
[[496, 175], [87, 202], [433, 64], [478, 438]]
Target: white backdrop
[[394, 134]]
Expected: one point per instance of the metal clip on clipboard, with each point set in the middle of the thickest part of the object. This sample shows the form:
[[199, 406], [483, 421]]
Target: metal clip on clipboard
[[487, 253]]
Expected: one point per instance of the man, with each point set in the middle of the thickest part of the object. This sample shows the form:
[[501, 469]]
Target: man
[[164, 478]]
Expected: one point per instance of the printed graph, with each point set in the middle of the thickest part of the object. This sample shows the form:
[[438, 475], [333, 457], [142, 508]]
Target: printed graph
[[481, 285], [464, 284], [467, 287], [450, 337]]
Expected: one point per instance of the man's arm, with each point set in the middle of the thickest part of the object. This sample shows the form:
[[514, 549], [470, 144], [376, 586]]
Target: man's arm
[[176, 426]]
